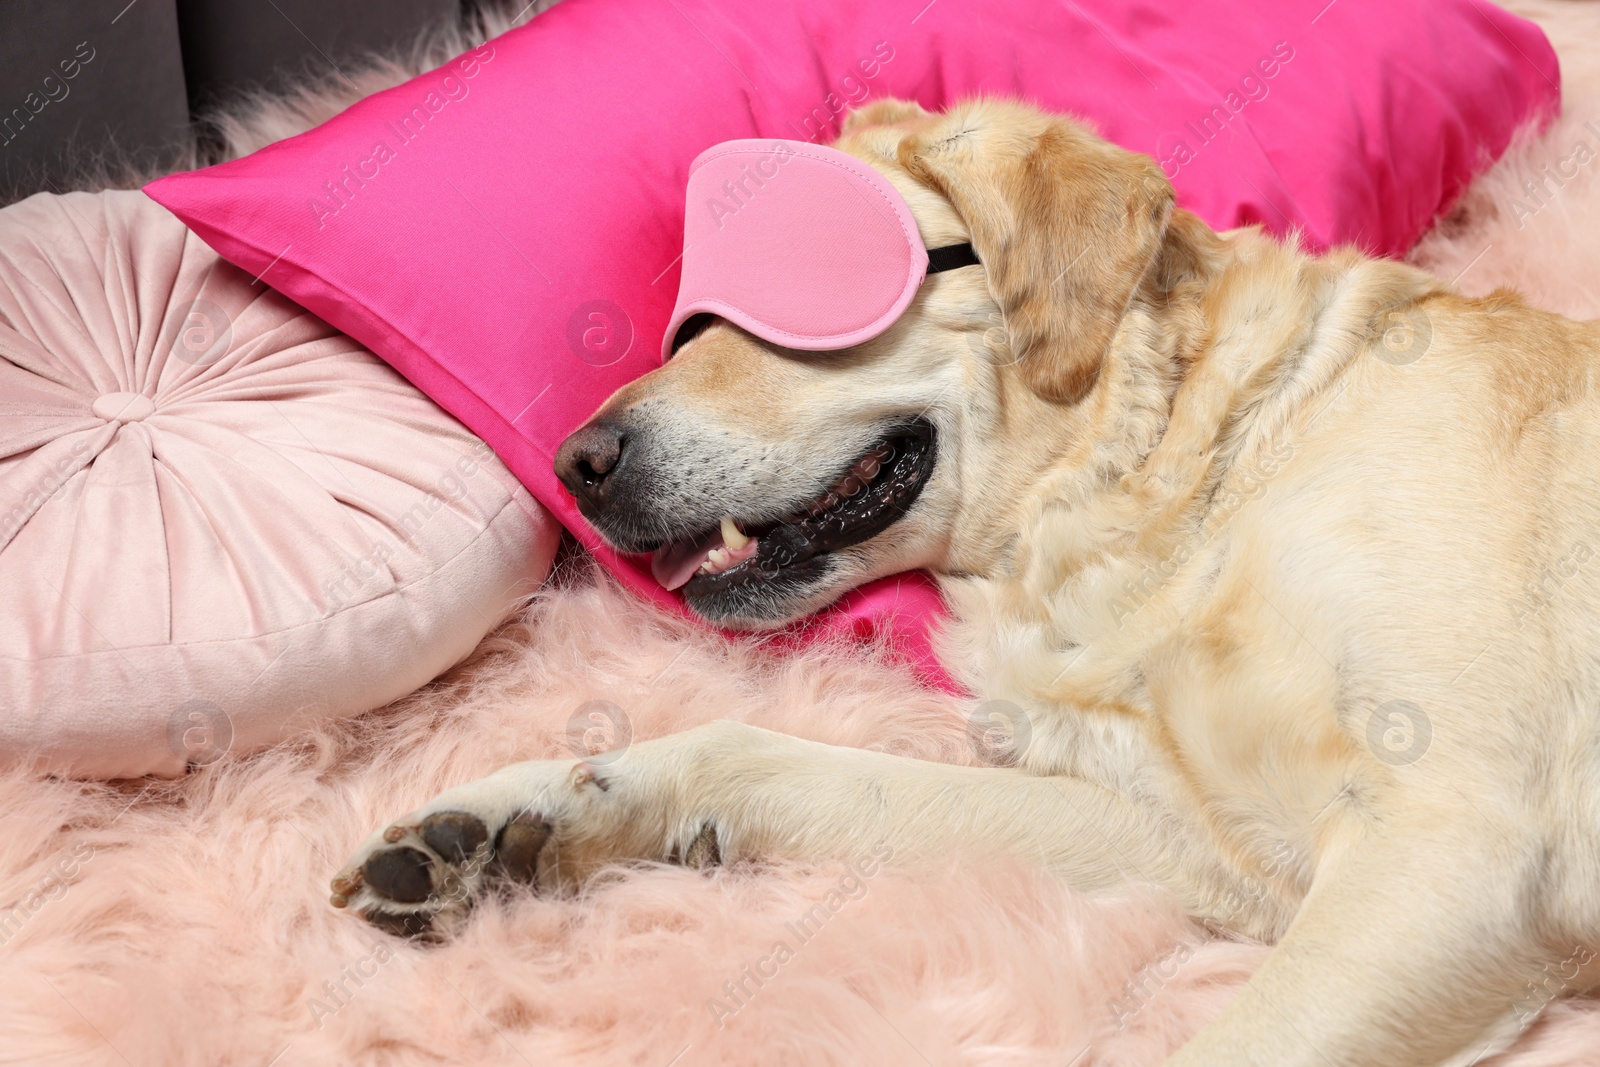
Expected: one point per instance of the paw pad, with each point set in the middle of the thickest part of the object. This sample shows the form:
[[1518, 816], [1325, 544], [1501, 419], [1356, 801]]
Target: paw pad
[[516, 851], [401, 874], [410, 924], [422, 880], [455, 835]]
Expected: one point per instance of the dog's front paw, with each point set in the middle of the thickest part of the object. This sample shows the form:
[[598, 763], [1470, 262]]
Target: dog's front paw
[[549, 825], [421, 875]]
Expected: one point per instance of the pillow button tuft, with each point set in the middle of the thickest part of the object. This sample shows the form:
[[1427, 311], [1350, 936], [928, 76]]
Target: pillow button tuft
[[123, 407]]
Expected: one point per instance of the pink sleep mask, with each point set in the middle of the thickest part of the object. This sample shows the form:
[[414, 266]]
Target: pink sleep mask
[[804, 246]]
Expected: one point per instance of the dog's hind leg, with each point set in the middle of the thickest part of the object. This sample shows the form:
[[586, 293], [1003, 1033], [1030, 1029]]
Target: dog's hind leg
[[731, 791], [1413, 948]]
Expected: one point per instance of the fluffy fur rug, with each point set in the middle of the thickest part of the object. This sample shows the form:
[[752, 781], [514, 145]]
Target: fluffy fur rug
[[186, 922]]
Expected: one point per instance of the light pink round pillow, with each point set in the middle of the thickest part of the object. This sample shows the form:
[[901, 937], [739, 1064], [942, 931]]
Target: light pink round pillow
[[221, 520]]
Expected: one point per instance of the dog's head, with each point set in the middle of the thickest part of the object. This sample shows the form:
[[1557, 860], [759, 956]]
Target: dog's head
[[912, 449]]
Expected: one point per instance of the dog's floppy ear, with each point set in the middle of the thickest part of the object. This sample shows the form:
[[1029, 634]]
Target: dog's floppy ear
[[1065, 222], [887, 111]]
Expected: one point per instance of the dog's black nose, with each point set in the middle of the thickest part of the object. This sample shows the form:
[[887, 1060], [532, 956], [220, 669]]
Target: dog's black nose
[[586, 458]]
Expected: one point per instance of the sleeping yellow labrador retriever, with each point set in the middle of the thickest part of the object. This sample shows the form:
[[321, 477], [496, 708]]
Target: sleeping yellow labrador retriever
[[1288, 562]]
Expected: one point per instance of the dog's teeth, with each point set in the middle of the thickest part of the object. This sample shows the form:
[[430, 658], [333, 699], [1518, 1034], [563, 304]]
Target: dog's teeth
[[731, 534], [721, 559]]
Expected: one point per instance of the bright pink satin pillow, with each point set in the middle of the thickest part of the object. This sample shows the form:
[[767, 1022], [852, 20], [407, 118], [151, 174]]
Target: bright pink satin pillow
[[505, 229]]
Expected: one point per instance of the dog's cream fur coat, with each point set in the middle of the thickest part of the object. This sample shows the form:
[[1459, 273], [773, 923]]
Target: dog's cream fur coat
[[1282, 559], [202, 899]]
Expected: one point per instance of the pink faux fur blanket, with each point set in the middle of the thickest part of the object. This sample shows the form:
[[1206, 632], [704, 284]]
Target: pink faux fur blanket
[[186, 922]]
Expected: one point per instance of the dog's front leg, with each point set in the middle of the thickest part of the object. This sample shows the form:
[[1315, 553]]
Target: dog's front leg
[[1412, 949], [729, 791]]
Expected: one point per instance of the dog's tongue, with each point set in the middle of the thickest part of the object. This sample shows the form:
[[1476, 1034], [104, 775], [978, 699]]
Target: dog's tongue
[[675, 563]]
